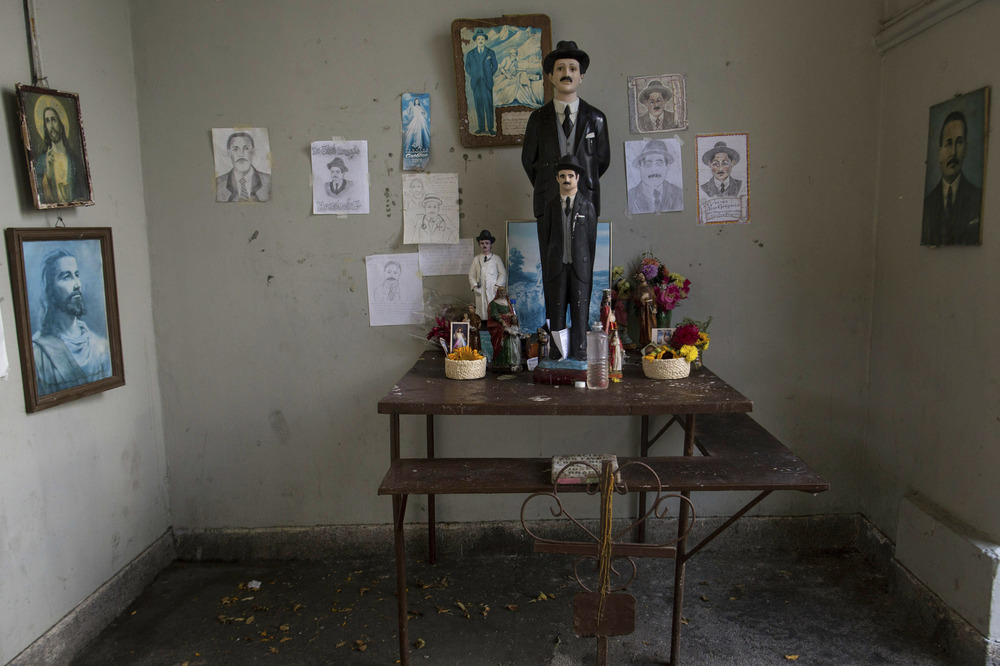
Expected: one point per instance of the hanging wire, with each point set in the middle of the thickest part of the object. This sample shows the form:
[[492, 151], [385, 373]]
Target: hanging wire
[[38, 78]]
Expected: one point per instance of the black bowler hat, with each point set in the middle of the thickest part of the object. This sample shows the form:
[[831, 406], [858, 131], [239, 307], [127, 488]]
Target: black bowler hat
[[720, 147], [485, 235], [569, 162], [566, 50]]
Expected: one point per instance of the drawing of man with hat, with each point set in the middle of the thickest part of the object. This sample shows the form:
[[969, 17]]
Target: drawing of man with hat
[[486, 273], [480, 66], [567, 125], [567, 241], [656, 117], [654, 194], [720, 159], [338, 184], [433, 227]]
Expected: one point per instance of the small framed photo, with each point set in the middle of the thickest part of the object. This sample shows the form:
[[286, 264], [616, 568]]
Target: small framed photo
[[661, 336], [54, 145], [66, 312], [459, 335]]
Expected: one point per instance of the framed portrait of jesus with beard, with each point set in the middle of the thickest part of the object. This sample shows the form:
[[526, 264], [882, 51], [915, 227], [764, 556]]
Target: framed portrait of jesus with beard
[[52, 130], [66, 311]]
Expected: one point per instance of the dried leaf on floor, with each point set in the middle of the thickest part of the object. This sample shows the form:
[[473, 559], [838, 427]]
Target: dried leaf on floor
[[486, 609], [249, 620], [419, 643], [704, 598], [512, 607], [341, 644], [286, 639], [274, 650], [442, 609], [791, 657], [360, 645], [284, 627], [363, 590]]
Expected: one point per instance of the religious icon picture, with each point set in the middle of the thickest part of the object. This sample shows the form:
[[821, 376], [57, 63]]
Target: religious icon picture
[[66, 311], [499, 77], [459, 335], [52, 129], [956, 166]]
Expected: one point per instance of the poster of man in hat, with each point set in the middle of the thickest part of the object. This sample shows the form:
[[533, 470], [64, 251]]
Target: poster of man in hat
[[653, 175], [434, 218], [657, 103], [724, 186], [340, 177]]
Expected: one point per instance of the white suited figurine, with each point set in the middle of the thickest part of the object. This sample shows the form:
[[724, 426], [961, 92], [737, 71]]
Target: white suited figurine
[[486, 274]]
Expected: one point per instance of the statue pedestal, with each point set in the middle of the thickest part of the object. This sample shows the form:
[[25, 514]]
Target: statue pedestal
[[565, 372]]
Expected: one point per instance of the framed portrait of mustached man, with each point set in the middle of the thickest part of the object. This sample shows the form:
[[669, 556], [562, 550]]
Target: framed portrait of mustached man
[[55, 147]]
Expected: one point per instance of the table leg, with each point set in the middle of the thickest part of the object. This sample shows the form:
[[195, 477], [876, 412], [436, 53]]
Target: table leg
[[644, 443], [683, 516], [431, 521], [398, 511]]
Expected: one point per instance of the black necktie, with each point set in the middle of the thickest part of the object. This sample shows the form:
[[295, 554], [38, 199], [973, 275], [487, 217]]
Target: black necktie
[[569, 208], [567, 124]]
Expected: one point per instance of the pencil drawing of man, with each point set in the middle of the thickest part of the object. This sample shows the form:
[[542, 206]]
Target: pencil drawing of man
[[244, 182]]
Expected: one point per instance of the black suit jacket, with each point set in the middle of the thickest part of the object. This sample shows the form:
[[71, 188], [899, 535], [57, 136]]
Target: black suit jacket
[[962, 226], [584, 245], [540, 153]]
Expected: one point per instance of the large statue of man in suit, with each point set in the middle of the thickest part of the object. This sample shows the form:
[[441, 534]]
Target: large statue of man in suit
[[567, 240], [480, 66], [565, 126]]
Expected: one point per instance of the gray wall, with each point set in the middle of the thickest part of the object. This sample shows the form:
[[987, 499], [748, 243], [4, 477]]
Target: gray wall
[[934, 427], [269, 371], [83, 486]]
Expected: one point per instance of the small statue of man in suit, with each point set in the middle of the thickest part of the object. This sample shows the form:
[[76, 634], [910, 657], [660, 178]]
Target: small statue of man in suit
[[567, 240]]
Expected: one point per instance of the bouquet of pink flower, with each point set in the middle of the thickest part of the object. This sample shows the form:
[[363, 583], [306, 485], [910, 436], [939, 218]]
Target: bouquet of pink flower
[[669, 288]]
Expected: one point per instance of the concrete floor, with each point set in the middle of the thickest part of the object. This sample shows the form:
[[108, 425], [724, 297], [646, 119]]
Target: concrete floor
[[818, 606]]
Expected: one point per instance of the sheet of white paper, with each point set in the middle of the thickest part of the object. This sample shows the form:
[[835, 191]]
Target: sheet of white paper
[[237, 151], [340, 177], [4, 366], [446, 259], [395, 289], [430, 207]]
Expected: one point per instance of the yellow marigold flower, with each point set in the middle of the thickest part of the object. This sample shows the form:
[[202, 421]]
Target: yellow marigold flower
[[689, 352]]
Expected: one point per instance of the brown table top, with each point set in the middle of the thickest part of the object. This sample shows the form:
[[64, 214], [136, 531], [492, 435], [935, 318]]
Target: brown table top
[[424, 389]]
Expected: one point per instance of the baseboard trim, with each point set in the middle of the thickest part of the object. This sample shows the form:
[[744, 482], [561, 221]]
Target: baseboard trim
[[68, 637]]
